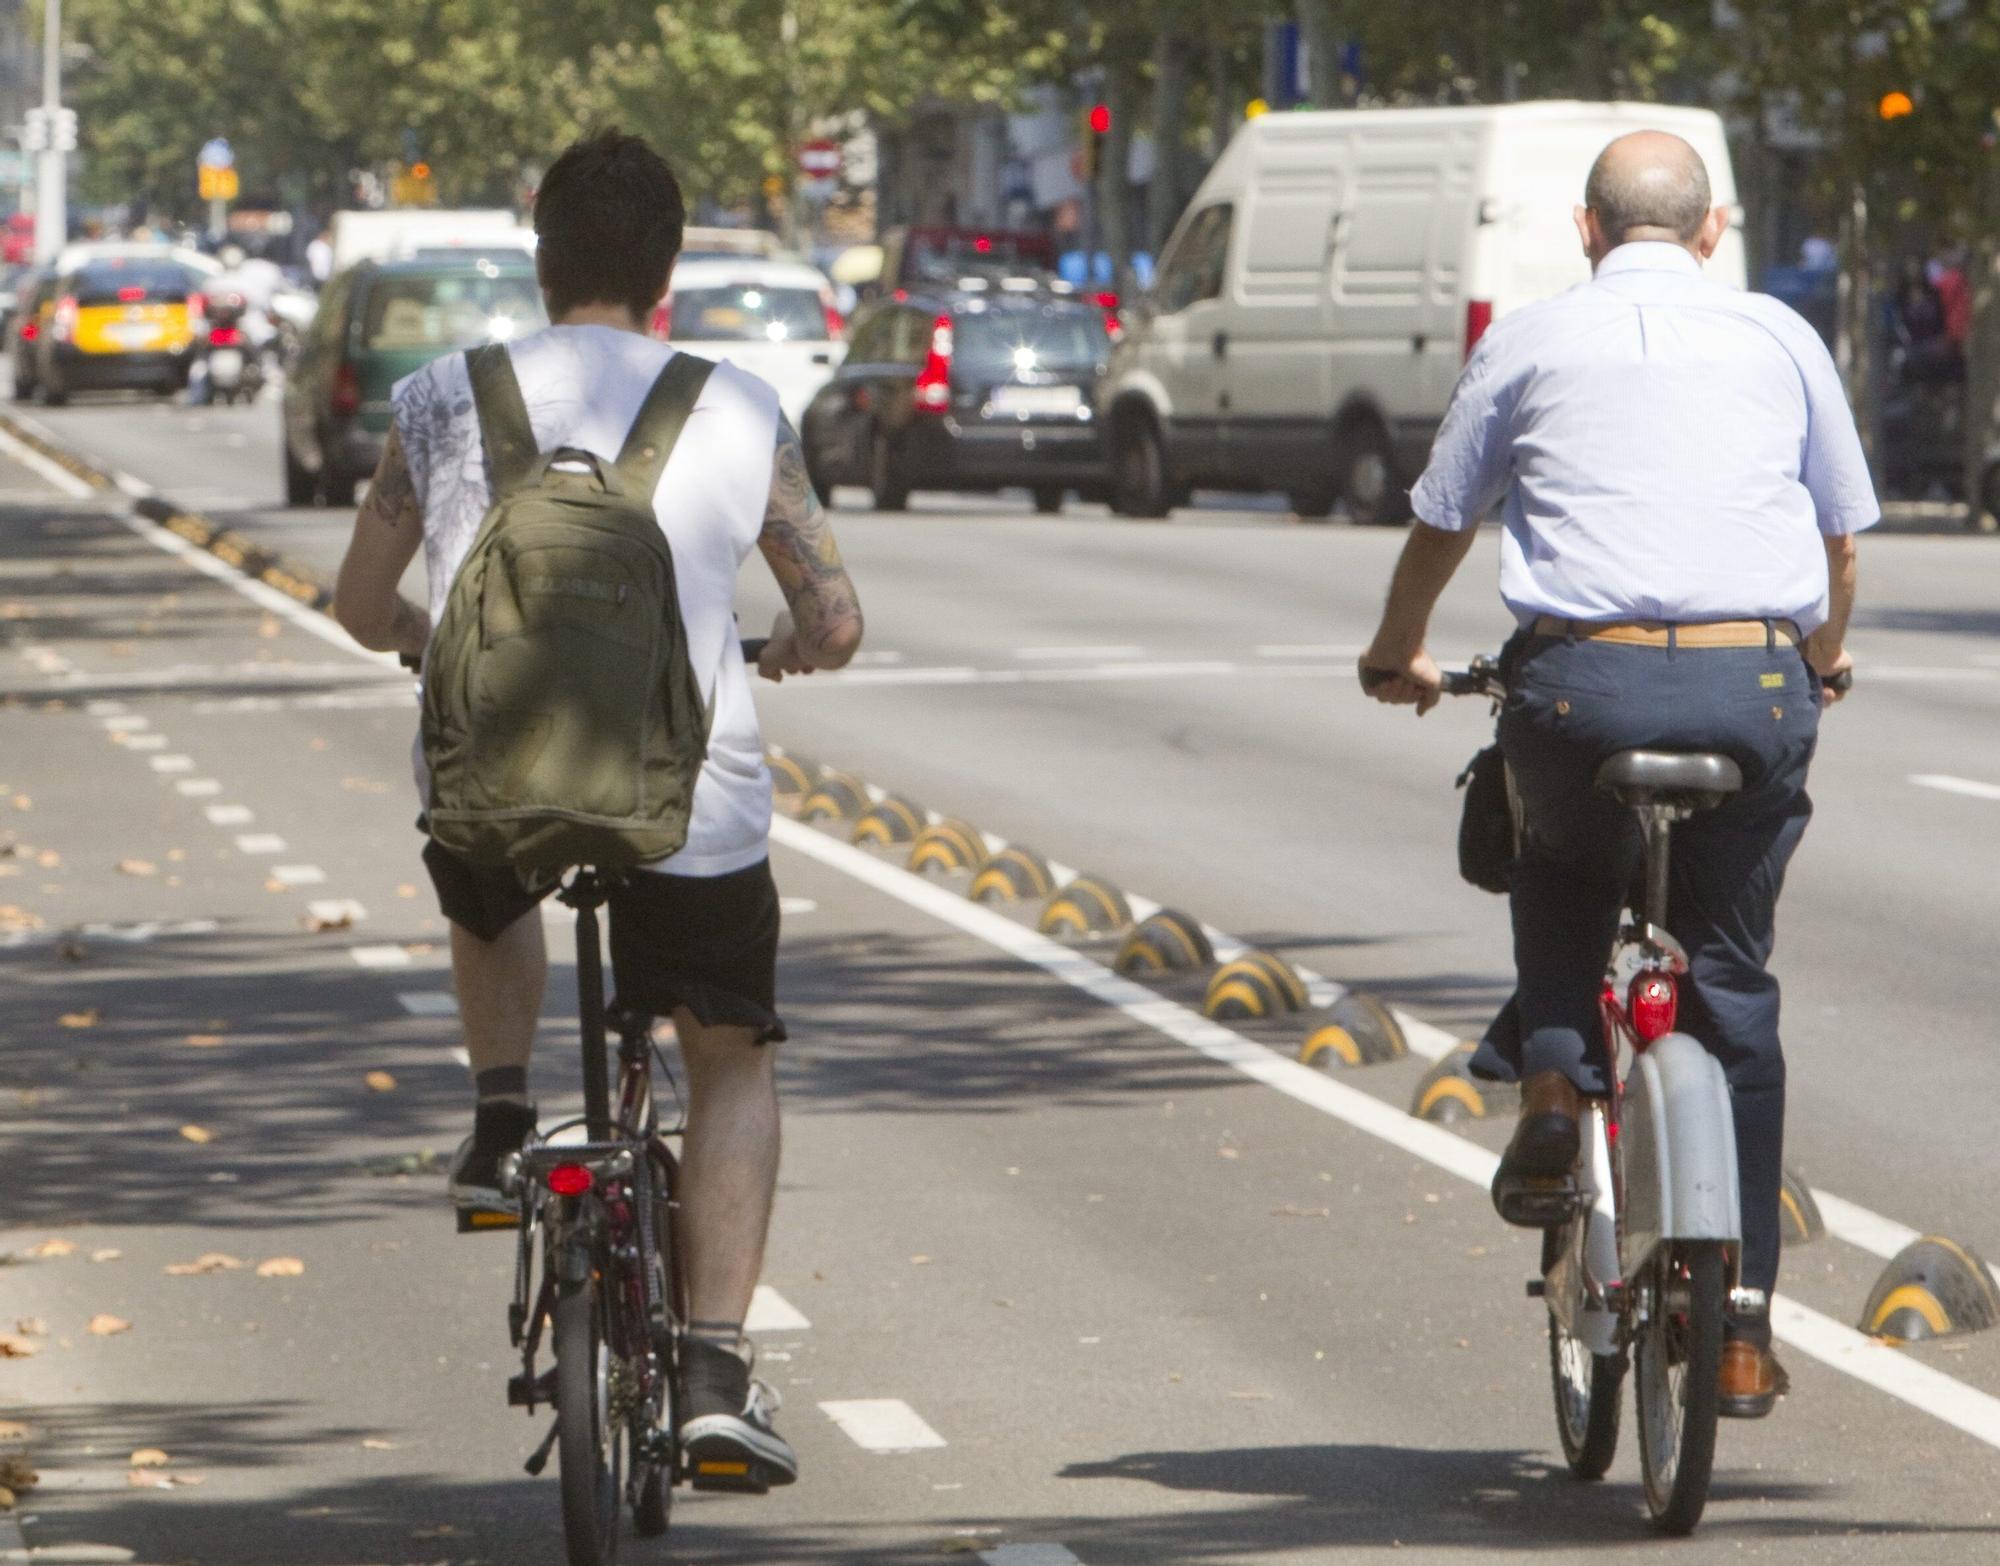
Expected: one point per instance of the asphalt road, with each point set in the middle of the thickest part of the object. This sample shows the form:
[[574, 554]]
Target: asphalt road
[[1156, 1312]]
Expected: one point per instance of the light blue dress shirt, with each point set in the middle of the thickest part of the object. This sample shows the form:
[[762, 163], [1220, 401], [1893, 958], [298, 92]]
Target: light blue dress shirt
[[1662, 447]]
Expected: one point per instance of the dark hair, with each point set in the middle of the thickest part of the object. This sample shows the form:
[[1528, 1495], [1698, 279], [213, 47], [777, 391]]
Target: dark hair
[[608, 222]]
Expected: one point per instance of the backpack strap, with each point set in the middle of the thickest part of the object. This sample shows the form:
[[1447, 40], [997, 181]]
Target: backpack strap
[[504, 429], [661, 418]]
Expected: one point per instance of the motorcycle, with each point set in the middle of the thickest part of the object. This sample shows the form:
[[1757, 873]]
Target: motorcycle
[[233, 366]]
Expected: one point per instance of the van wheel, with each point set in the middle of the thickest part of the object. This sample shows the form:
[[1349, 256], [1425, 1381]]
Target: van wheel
[[53, 395], [1314, 504], [300, 490], [1139, 471], [891, 489], [337, 488], [1370, 489], [1048, 500], [24, 389]]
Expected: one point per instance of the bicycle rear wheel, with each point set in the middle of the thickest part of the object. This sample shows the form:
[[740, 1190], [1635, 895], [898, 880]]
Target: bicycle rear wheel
[[1679, 1361], [1588, 1387], [590, 1443]]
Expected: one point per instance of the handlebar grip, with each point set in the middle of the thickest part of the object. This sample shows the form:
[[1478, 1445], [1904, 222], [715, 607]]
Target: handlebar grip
[[1463, 682], [753, 647], [1841, 683]]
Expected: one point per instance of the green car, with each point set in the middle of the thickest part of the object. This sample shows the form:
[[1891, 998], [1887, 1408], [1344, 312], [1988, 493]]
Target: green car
[[377, 322]]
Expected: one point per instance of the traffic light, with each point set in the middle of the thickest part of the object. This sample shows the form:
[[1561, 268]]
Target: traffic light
[[1100, 119], [1896, 105]]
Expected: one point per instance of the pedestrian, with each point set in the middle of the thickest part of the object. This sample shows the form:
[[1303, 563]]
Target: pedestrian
[[319, 257], [1680, 481]]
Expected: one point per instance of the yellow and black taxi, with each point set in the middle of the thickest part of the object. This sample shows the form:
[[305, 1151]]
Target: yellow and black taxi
[[115, 323]]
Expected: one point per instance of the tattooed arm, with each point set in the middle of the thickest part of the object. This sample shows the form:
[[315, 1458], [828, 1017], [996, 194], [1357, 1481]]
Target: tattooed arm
[[387, 530], [822, 626]]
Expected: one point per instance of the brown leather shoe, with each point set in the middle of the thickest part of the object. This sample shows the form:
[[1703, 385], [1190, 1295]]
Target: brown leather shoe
[[1532, 1186], [1752, 1380]]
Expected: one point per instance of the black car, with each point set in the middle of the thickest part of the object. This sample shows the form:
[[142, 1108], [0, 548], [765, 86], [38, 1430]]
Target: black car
[[971, 390]]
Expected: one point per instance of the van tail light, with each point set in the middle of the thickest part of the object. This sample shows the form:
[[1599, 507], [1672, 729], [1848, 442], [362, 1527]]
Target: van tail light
[[131, 295], [569, 1179], [63, 327], [1106, 300], [1654, 1002], [346, 398], [1478, 316], [226, 337], [933, 389]]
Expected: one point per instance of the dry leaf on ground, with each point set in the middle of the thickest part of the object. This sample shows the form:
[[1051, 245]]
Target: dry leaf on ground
[[13, 1430], [107, 1253], [106, 1325], [15, 918], [79, 1019], [48, 859], [32, 1327], [204, 1040], [14, 1346], [198, 1134], [146, 1479], [208, 1261], [281, 1267], [320, 925], [137, 867], [380, 1082], [407, 889], [150, 1457], [54, 1245]]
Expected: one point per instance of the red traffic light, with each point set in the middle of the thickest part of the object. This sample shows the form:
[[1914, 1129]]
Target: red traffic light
[[1100, 118]]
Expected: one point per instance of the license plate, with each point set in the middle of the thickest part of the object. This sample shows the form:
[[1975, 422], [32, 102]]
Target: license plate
[[225, 364], [1036, 399], [133, 334]]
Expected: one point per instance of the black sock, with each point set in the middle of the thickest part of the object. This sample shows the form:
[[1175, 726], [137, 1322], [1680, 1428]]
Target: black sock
[[501, 1082]]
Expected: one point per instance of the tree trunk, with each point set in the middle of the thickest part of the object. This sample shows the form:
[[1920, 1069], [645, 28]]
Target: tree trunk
[[1222, 99], [1170, 190], [1982, 351], [1114, 191]]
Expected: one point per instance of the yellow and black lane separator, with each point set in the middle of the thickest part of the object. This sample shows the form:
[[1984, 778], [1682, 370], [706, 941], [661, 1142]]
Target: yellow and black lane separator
[[1448, 1092], [835, 797], [1798, 1212], [1014, 875], [1932, 1288], [888, 821], [1257, 984], [1358, 1031], [1088, 905], [792, 778], [945, 847], [1166, 942]]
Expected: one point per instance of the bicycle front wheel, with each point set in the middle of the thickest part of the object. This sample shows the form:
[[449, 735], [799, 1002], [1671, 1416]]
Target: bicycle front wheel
[[1678, 1358], [590, 1443]]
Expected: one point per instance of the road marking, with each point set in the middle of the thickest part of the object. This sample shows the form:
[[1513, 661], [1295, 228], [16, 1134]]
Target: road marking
[[229, 815], [429, 1003], [882, 1424], [269, 843], [198, 788], [965, 674], [380, 956], [142, 741], [1079, 654], [1972, 788], [1309, 650], [104, 709], [1832, 1343], [459, 1053], [770, 1311], [172, 763], [124, 723], [298, 875], [1029, 1555], [797, 906], [135, 934], [335, 911]]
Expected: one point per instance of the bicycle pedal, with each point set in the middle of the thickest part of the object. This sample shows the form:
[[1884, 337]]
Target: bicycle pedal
[[480, 1222], [732, 1478]]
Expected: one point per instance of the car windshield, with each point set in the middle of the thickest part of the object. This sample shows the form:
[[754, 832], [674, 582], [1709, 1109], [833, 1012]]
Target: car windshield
[[128, 280], [1009, 342], [455, 310], [748, 313]]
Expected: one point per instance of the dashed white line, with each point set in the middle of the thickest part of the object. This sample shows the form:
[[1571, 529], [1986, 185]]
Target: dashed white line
[[429, 1003], [1029, 1555], [380, 956], [198, 788], [334, 912], [271, 843], [172, 763], [1307, 650], [770, 1311], [1945, 783], [298, 875], [102, 708], [142, 741], [125, 723], [882, 1424], [1117, 650], [790, 906], [458, 1053], [229, 815]]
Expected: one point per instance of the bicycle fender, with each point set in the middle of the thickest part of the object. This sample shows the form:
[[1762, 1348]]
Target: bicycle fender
[[1679, 1145]]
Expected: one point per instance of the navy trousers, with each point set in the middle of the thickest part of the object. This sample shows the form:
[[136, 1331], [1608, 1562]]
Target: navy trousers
[[1572, 703]]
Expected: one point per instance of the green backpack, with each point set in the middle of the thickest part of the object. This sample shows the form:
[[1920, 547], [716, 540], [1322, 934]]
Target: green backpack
[[562, 724]]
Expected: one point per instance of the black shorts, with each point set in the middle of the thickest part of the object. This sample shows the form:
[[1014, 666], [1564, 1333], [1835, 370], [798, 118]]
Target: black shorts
[[709, 943]]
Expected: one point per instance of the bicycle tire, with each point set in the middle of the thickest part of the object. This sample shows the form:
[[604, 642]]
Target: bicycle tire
[[587, 1445], [1677, 1421], [1588, 1387]]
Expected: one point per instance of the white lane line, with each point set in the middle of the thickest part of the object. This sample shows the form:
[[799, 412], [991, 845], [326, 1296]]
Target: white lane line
[[172, 763], [1859, 1227], [125, 723], [136, 934], [429, 1003], [229, 815], [198, 788], [790, 906], [380, 956], [1841, 1347], [269, 843], [1309, 650], [1029, 1555], [770, 1311], [459, 1053], [1079, 654], [334, 912], [103, 708], [141, 741], [298, 875], [882, 1424], [1945, 783]]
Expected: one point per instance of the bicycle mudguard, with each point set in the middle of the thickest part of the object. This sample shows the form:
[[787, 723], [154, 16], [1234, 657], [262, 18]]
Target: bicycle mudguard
[[1679, 1142]]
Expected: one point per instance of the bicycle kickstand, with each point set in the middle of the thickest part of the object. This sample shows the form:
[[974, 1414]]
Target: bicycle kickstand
[[539, 1459]]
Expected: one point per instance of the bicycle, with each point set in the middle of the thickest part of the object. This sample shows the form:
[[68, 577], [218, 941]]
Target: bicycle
[[598, 1273], [1642, 1241]]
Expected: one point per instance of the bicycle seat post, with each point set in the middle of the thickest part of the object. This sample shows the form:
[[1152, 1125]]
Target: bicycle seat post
[[1657, 820], [586, 893]]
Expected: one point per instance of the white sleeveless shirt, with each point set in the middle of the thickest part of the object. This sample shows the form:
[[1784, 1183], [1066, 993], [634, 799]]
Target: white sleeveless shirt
[[583, 386]]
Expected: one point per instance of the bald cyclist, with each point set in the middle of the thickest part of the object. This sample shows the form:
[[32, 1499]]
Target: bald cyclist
[[1680, 481]]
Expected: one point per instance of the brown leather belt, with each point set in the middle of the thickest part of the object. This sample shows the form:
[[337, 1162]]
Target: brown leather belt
[[1660, 633]]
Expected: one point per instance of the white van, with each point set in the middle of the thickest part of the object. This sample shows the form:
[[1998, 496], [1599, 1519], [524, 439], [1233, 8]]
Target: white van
[[1316, 301]]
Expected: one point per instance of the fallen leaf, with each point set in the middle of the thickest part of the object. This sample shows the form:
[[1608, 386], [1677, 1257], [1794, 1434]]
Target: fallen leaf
[[204, 1040], [376, 1444], [281, 1267], [13, 1430], [1253, 1397], [317, 744], [149, 1457], [273, 884], [13, 1346], [406, 890], [364, 786], [1227, 1152], [920, 1261], [137, 867], [54, 1245], [207, 1262], [105, 1325], [16, 1474], [322, 926], [48, 859], [380, 1082], [7, 1499], [108, 1253], [22, 802], [268, 627], [176, 855], [79, 1019], [200, 1135], [32, 1327], [14, 918], [1289, 1211], [29, 1098]]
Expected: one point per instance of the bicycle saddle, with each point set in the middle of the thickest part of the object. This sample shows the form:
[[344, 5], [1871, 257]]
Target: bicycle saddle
[[1640, 775]]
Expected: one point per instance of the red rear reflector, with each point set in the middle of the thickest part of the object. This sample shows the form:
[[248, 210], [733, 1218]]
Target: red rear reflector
[[568, 1179], [225, 337], [1654, 1003], [1478, 316], [131, 295]]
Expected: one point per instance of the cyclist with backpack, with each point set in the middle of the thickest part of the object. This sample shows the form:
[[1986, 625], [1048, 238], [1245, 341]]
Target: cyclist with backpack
[[585, 497]]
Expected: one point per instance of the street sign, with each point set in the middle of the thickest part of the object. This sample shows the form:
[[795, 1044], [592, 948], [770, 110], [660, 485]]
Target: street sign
[[216, 153], [218, 184], [819, 159]]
